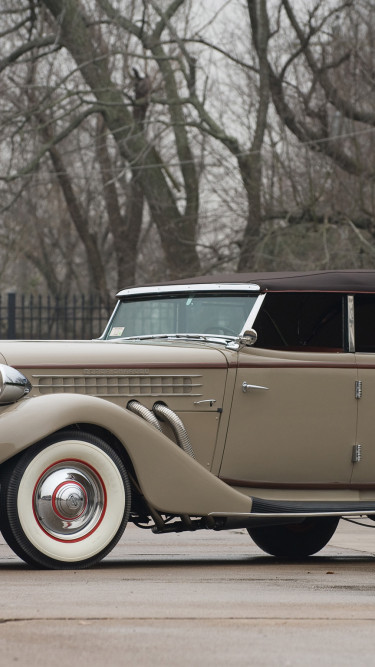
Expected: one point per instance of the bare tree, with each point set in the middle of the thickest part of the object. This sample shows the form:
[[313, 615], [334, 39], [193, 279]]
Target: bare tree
[[167, 137], [97, 93], [324, 95]]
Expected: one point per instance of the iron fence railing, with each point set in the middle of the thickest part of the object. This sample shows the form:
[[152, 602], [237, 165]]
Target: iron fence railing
[[45, 317]]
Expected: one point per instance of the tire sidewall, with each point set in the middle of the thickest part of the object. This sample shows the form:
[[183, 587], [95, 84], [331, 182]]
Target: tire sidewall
[[29, 533], [298, 540]]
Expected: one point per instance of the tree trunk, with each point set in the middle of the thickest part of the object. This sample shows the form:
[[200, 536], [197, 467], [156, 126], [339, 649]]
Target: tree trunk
[[175, 233], [251, 172]]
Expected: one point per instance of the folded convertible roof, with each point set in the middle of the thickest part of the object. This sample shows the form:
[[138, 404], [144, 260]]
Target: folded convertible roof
[[291, 281]]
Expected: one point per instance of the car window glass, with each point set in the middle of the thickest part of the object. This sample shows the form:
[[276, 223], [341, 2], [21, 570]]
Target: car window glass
[[190, 313], [364, 315], [301, 321]]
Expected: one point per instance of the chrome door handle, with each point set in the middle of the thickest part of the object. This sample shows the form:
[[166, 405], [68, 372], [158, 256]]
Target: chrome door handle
[[246, 387], [211, 401]]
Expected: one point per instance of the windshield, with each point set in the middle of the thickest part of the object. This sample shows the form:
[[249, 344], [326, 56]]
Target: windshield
[[196, 313]]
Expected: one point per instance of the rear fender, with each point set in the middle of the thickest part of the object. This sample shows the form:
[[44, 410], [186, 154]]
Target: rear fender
[[170, 480]]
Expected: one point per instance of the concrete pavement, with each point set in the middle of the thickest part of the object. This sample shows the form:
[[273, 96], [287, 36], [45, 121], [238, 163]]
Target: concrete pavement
[[194, 599]]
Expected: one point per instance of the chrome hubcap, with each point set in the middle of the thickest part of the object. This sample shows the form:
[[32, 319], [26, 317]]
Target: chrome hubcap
[[69, 500]]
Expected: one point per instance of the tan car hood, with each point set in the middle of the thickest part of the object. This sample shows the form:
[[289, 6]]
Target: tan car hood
[[70, 354]]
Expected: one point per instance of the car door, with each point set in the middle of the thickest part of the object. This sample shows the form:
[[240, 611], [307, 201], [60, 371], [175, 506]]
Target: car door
[[364, 460], [293, 417]]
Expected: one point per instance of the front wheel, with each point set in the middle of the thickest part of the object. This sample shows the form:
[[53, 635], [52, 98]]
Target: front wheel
[[295, 540], [66, 501]]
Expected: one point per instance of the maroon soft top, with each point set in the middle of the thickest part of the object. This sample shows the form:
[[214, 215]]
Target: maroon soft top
[[293, 281]]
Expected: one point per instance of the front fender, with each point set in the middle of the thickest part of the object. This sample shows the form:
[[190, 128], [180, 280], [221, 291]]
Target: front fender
[[170, 480]]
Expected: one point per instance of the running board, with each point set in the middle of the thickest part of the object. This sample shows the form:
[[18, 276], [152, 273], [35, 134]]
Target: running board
[[268, 513], [290, 509], [334, 508]]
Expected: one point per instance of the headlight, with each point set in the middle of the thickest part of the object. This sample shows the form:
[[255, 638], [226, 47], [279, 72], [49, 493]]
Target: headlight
[[13, 385]]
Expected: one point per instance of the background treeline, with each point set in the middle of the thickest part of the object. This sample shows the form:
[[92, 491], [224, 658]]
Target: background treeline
[[153, 139]]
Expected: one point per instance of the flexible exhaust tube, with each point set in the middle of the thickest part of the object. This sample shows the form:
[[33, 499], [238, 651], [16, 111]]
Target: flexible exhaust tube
[[142, 411], [177, 426]]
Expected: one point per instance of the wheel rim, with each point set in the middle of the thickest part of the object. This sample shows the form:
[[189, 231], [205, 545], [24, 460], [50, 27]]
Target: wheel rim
[[69, 500]]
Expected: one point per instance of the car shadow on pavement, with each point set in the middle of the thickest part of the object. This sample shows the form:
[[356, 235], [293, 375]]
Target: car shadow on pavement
[[175, 562], [182, 562]]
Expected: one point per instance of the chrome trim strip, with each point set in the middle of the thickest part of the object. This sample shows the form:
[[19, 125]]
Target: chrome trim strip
[[291, 515], [198, 337], [136, 392], [351, 330], [203, 287], [117, 375], [297, 486]]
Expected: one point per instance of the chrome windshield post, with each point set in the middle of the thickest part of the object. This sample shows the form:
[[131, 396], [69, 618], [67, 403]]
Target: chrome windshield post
[[351, 331]]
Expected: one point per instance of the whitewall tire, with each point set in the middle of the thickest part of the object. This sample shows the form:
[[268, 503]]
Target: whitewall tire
[[66, 501]]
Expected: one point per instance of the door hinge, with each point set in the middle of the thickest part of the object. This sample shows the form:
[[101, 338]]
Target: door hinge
[[358, 388], [356, 453]]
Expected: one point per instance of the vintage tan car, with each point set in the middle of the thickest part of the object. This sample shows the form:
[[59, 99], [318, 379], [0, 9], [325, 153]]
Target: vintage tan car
[[231, 401]]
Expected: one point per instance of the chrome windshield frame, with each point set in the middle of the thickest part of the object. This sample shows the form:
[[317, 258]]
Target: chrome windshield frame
[[350, 323], [159, 290], [253, 314], [176, 289]]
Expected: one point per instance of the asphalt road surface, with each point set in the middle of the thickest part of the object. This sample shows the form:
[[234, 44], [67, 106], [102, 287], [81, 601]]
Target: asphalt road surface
[[197, 599]]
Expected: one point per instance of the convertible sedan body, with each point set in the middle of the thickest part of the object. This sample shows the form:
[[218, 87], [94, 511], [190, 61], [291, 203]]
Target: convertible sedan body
[[223, 401]]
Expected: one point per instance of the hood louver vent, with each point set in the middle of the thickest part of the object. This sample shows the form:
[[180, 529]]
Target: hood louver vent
[[119, 385]]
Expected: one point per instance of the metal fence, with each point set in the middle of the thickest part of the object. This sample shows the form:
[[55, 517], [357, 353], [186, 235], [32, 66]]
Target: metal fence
[[44, 317]]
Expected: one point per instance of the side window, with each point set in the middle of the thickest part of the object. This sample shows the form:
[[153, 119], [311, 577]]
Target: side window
[[364, 317], [301, 321]]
